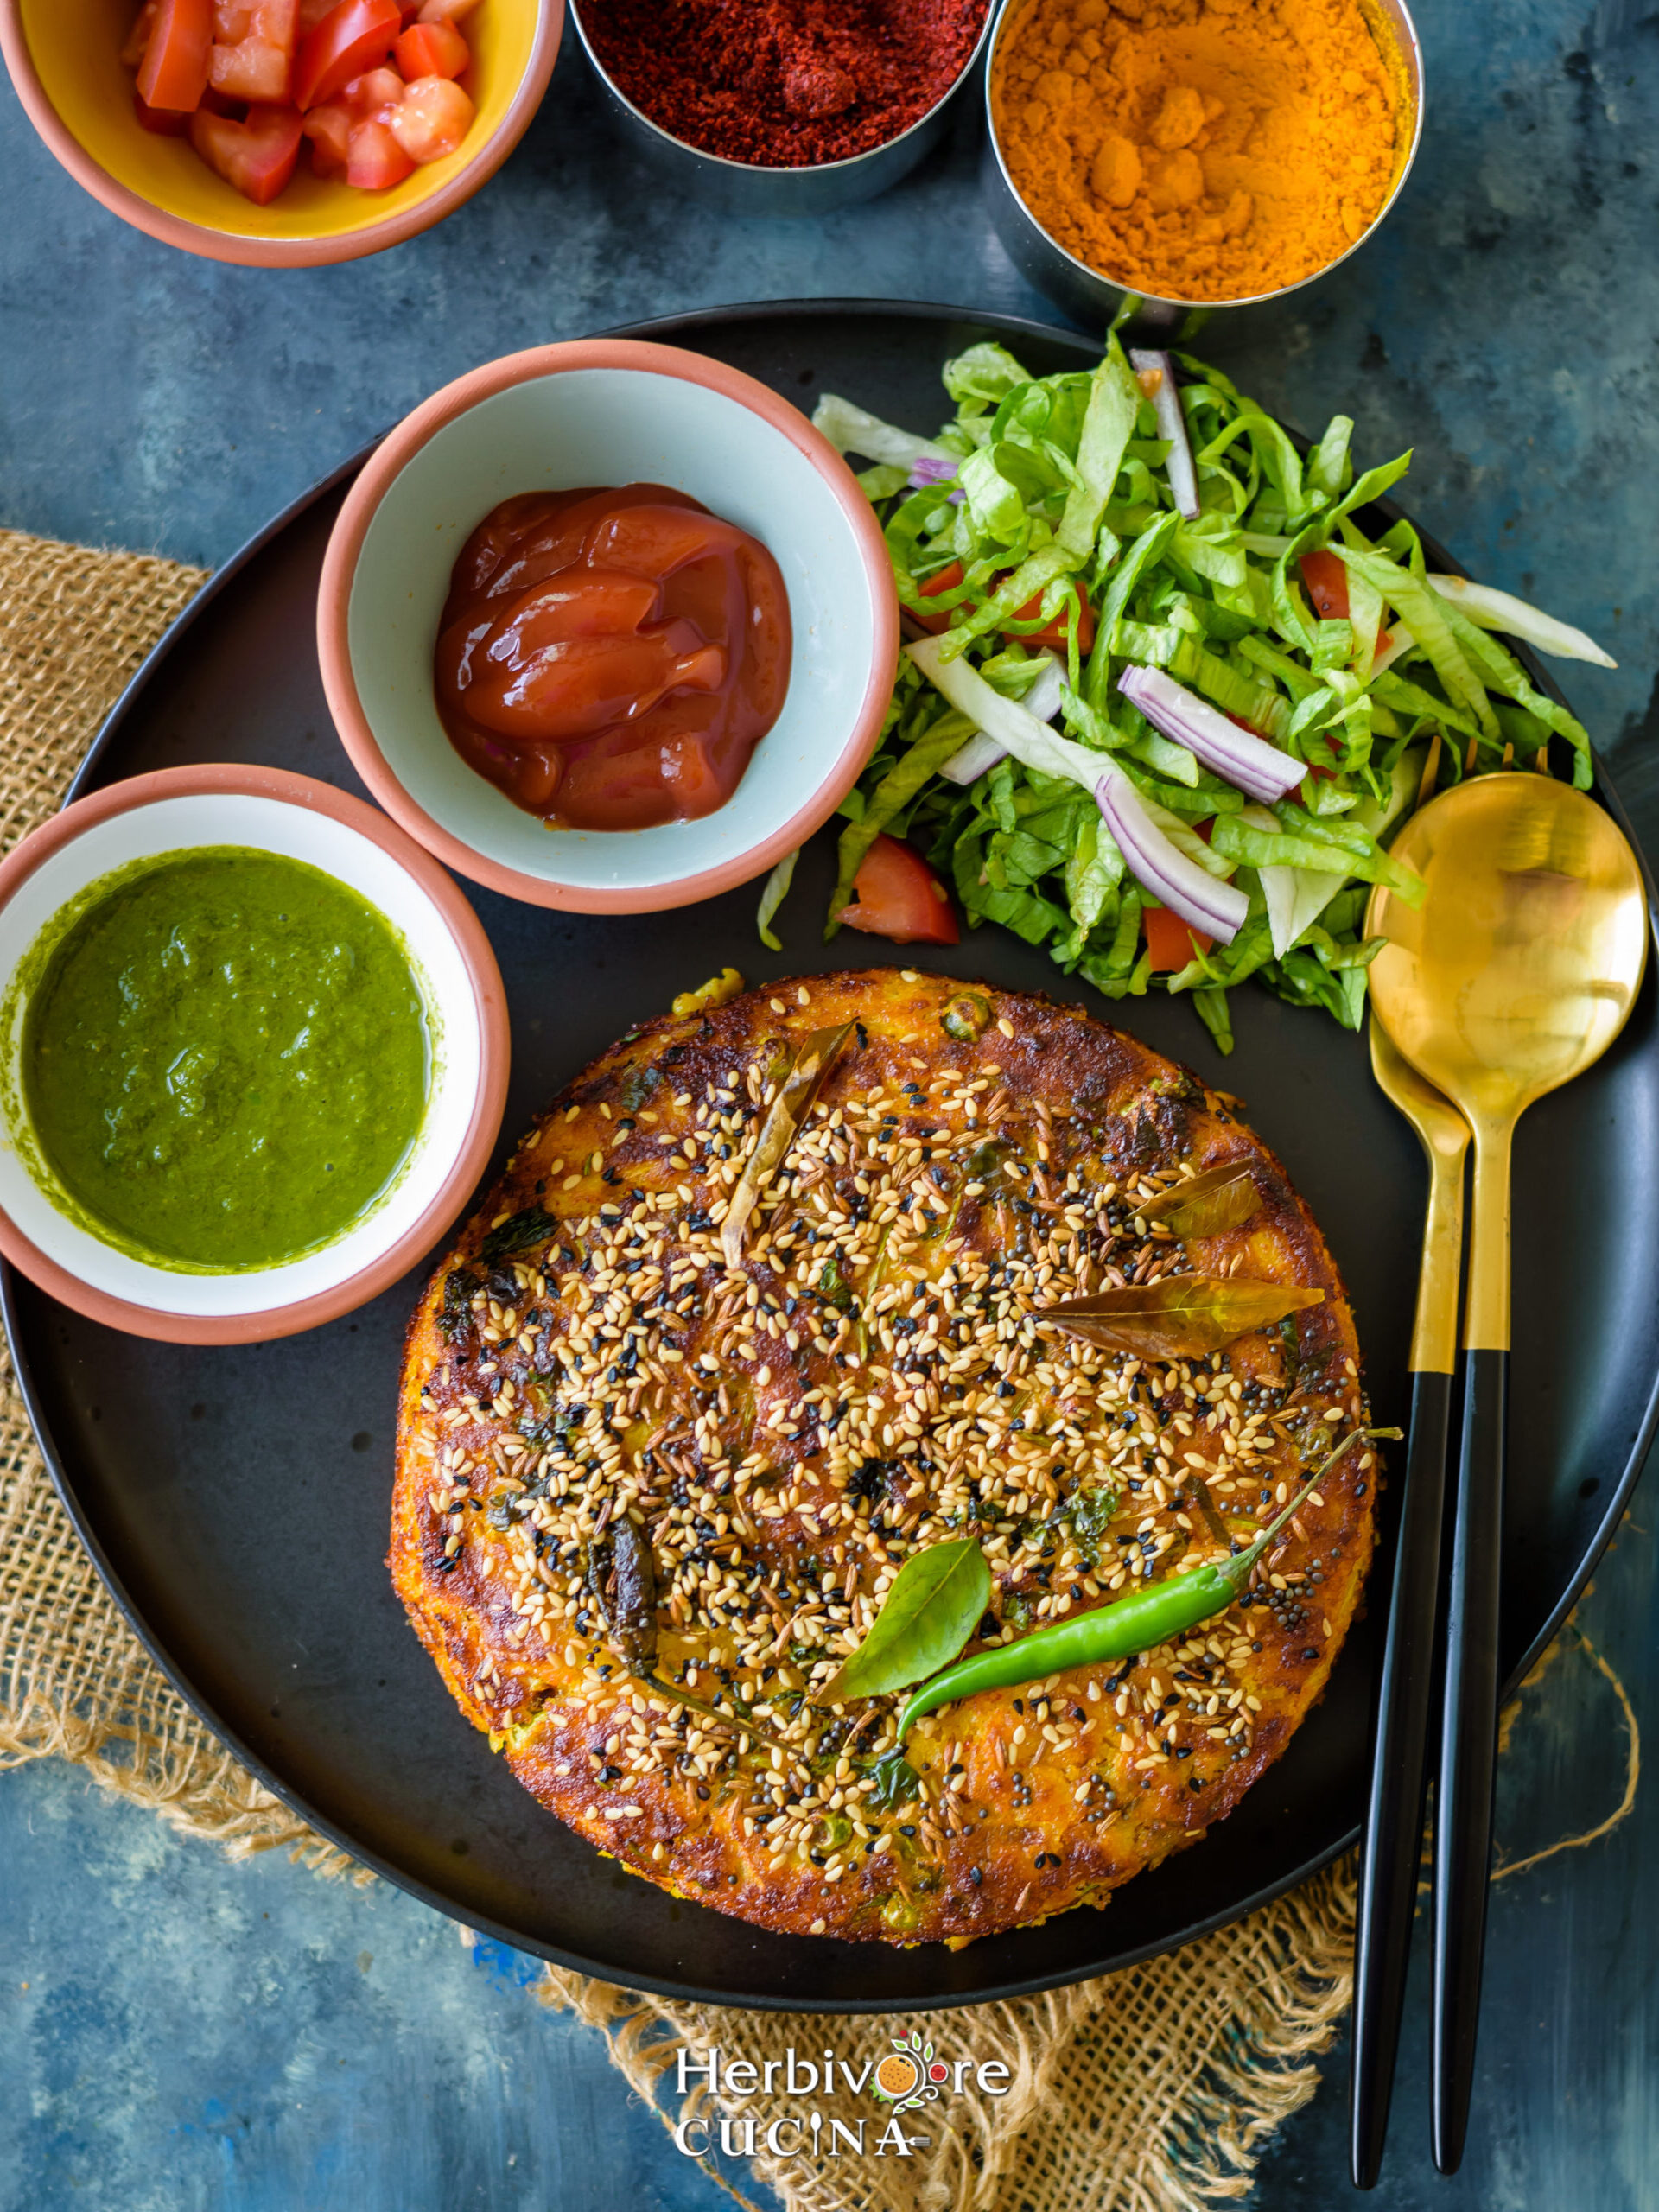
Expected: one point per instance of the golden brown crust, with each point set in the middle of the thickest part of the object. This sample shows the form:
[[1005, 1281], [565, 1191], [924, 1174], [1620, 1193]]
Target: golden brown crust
[[854, 1410]]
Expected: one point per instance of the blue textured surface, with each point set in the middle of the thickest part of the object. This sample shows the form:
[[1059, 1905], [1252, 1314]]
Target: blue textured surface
[[187, 2035], [183, 2033]]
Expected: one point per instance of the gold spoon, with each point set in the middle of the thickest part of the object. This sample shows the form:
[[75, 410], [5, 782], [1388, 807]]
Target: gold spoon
[[1514, 976], [1399, 1776]]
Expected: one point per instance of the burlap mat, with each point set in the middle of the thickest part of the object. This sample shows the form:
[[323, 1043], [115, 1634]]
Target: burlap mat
[[1152, 2090]]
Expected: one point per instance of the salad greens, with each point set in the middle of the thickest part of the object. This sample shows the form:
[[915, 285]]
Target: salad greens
[[1039, 540]]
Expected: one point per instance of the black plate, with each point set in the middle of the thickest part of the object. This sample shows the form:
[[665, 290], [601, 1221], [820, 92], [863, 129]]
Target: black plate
[[236, 1500]]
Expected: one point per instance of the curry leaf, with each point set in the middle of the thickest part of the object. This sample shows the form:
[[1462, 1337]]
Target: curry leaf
[[518, 1232], [893, 1781], [788, 1110], [1221, 1198], [988, 1160], [934, 1606], [622, 1575], [460, 1287], [643, 1083], [1180, 1317]]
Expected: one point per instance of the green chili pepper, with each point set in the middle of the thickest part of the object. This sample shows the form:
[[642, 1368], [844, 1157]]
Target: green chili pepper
[[1137, 1623]]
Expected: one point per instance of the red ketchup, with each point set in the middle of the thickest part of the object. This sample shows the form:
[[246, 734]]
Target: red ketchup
[[610, 659]]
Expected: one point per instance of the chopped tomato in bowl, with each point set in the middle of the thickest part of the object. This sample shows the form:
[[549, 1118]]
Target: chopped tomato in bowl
[[372, 87], [257, 154], [75, 65], [897, 895], [430, 50], [173, 62], [356, 35]]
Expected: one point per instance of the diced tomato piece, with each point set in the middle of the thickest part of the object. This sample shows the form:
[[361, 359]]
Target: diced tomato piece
[[1053, 633], [174, 73], [342, 144], [431, 50], [1327, 578], [329, 129], [1169, 940], [375, 160], [433, 118], [312, 13], [277, 22], [253, 69], [896, 894], [372, 93], [256, 156], [445, 11], [165, 122], [132, 53], [947, 579], [351, 38]]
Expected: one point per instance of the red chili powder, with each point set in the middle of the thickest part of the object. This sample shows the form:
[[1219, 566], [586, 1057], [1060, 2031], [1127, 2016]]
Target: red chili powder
[[784, 85]]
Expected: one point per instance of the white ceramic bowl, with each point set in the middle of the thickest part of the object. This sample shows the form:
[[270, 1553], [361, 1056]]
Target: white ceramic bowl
[[173, 812], [605, 412]]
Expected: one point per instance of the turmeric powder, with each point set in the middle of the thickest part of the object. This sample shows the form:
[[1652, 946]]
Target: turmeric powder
[[1201, 149]]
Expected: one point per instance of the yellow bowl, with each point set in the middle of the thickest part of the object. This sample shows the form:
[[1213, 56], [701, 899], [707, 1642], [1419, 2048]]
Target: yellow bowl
[[65, 61]]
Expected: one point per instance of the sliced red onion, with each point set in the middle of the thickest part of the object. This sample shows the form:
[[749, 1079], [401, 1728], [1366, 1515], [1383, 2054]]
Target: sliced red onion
[[982, 751], [1171, 427], [1202, 901], [927, 470], [1251, 762], [979, 755]]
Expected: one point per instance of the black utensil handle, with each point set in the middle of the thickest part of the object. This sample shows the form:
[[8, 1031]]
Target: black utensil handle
[[1393, 1847], [1463, 1805]]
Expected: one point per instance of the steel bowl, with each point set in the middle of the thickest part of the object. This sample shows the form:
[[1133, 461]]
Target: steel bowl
[[752, 188], [1096, 301]]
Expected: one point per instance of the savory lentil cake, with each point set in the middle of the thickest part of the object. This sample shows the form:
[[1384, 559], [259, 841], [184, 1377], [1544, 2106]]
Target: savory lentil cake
[[649, 1497]]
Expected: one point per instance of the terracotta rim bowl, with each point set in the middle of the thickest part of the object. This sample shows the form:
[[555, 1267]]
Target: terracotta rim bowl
[[173, 812], [65, 61], [605, 411]]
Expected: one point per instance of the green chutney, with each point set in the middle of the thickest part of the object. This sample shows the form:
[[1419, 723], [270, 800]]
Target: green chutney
[[225, 1059]]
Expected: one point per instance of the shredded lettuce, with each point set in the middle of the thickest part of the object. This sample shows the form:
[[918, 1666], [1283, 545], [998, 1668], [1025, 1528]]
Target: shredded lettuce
[[1059, 524], [773, 893], [849, 430], [1497, 610]]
